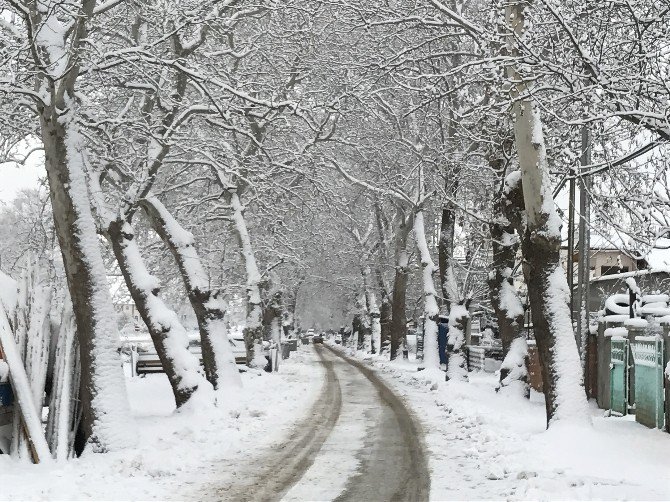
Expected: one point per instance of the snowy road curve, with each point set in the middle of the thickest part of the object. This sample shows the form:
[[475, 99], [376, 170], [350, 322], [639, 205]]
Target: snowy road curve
[[358, 442]]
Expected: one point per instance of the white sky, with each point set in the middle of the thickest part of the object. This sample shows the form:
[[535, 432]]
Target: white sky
[[14, 178]]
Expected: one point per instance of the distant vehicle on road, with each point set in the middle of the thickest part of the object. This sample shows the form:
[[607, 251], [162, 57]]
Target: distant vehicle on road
[[317, 339], [338, 339]]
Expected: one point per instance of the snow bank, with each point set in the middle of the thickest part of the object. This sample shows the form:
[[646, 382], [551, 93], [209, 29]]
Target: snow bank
[[485, 445], [179, 456]]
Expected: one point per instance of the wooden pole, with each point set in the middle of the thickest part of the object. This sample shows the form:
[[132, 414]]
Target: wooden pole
[[584, 270], [31, 424], [571, 247]]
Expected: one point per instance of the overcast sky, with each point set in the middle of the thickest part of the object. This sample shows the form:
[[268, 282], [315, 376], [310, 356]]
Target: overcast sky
[[13, 178]]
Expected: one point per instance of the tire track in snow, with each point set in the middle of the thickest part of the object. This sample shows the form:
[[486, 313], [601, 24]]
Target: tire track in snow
[[394, 465], [286, 464]]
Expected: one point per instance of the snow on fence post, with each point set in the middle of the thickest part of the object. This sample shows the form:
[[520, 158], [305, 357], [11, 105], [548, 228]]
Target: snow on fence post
[[32, 336], [60, 422]]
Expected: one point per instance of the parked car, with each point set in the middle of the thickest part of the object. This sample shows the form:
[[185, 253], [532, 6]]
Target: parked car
[[338, 339], [317, 339]]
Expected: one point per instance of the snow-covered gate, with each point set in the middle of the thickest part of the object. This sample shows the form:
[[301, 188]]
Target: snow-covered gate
[[619, 375], [649, 396]]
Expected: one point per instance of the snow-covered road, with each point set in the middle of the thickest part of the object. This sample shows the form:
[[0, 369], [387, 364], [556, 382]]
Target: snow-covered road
[[358, 442]]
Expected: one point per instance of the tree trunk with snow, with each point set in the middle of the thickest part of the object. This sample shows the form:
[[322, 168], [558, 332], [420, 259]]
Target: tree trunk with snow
[[504, 297], [105, 408], [459, 317], [169, 337], [364, 341], [253, 331], [272, 317], [207, 302], [446, 251], [56, 47], [431, 310], [385, 324], [373, 314], [382, 261], [398, 330], [547, 284], [356, 329]]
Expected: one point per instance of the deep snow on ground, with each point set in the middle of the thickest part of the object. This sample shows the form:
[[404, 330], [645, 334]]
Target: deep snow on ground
[[488, 446], [177, 453]]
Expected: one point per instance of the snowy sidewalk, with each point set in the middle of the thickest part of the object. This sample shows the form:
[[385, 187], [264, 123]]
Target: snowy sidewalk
[[177, 454], [487, 446]]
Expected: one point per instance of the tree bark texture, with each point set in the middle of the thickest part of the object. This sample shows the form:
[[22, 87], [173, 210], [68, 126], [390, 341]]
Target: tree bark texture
[[398, 329], [168, 335], [207, 302], [547, 285], [504, 297], [103, 397]]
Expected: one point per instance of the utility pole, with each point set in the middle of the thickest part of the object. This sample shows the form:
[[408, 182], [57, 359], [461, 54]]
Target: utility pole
[[584, 269], [571, 245]]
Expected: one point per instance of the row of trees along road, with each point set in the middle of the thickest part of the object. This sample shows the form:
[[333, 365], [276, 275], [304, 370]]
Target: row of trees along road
[[404, 154]]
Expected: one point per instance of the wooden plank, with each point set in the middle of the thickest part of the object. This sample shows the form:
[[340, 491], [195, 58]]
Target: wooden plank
[[23, 399]]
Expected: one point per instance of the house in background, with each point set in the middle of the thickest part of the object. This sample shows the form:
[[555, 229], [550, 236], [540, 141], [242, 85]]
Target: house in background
[[612, 265], [608, 256], [123, 302]]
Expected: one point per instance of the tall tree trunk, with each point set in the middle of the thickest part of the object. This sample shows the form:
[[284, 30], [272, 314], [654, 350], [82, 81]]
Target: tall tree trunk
[[365, 332], [207, 303], [382, 261], [547, 285], [356, 327], [104, 405], [253, 331], [385, 320], [292, 304], [431, 311], [445, 247], [398, 330], [459, 317], [271, 322], [504, 296], [170, 339], [373, 313]]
